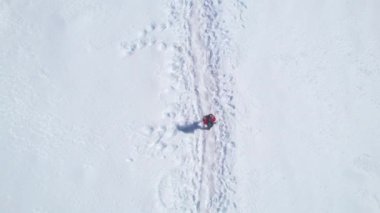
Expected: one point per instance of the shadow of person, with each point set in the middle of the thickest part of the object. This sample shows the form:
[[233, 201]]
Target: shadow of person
[[189, 128]]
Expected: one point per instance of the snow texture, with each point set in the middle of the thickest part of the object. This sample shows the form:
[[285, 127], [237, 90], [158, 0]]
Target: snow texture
[[101, 103]]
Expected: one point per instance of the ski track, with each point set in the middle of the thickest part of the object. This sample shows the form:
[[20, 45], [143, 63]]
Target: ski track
[[202, 79]]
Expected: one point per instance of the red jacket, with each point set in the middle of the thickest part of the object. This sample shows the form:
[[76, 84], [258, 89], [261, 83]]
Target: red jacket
[[209, 118]]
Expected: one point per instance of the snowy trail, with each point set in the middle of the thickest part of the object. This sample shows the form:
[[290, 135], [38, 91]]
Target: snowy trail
[[212, 89], [202, 79], [218, 145]]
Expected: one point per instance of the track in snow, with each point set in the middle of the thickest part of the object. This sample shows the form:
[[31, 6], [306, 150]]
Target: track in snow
[[203, 47], [201, 73]]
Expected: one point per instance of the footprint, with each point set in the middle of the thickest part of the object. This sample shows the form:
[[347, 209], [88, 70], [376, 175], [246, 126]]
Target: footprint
[[129, 48], [151, 27], [141, 44], [151, 42], [163, 27], [129, 160], [142, 33], [147, 130], [161, 46]]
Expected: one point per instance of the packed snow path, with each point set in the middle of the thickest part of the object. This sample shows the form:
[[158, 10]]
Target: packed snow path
[[209, 86], [201, 71]]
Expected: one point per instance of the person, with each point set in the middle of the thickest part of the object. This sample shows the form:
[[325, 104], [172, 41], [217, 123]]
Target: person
[[209, 121]]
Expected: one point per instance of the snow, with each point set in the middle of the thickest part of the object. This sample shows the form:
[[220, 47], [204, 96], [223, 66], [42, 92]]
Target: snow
[[100, 103], [309, 87]]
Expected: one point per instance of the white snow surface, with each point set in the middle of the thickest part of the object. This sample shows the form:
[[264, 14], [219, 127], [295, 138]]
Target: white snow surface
[[100, 103]]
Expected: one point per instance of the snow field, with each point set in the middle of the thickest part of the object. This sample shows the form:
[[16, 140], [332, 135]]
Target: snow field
[[100, 103]]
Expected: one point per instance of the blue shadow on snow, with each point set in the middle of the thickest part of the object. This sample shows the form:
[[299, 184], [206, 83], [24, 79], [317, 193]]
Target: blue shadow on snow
[[189, 128]]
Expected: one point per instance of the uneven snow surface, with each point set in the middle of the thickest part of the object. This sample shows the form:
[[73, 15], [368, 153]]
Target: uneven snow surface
[[100, 103]]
